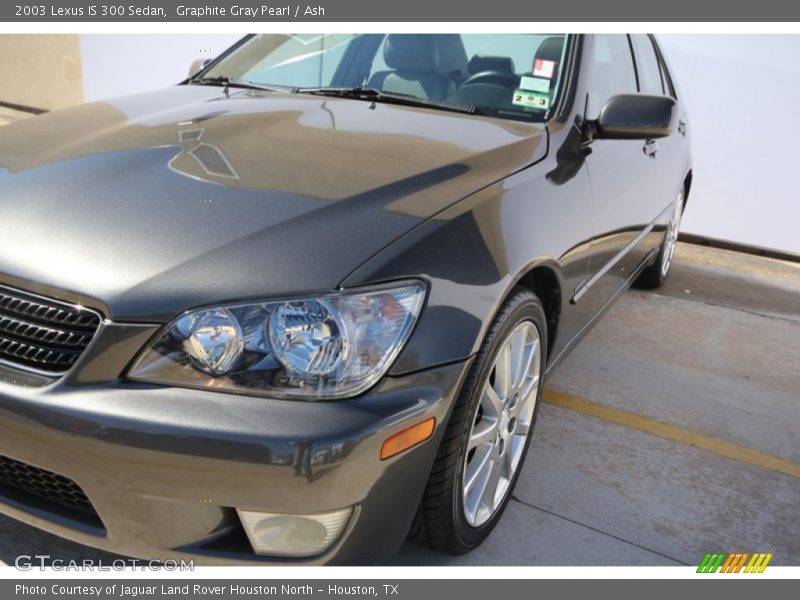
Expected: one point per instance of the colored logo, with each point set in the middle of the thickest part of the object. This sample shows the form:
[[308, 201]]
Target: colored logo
[[739, 562]]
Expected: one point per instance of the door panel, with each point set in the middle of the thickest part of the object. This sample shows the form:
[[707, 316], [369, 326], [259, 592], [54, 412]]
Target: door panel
[[622, 175], [652, 80], [673, 154]]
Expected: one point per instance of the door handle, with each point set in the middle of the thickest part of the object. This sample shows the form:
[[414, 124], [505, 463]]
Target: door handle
[[682, 127], [650, 148]]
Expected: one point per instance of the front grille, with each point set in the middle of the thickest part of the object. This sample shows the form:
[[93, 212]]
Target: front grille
[[42, 334], [48, 486]]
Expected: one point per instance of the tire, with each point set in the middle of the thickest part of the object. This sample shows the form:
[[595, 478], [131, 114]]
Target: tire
[[656, 274], [445, 522]]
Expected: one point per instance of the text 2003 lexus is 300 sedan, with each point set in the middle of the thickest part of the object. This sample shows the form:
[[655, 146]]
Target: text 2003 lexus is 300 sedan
[[303, 304]]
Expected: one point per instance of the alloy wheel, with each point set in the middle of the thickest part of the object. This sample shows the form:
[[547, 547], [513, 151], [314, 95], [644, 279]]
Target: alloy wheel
[[671, 239], [502, 424]]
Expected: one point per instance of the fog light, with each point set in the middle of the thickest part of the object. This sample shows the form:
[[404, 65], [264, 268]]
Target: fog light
[[273, 534]]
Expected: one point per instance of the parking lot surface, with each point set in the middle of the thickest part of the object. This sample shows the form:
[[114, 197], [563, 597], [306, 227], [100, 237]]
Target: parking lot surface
[[9, 115], [672, 430]]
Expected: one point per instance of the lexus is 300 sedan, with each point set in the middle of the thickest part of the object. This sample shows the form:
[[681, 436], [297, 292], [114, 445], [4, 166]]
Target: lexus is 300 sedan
[[302, 305]]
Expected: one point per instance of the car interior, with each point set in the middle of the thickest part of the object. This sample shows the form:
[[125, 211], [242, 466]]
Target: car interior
[[438, 68]]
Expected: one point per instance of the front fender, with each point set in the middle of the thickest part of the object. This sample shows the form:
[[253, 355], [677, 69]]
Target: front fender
[[473, 253]]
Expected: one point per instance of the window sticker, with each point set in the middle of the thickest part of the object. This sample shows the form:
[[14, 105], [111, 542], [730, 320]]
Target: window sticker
[[544, 68], [535, 84], [531, 99]]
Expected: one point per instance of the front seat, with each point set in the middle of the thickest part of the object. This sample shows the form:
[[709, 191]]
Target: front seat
[[551, 49], [481, 63], [423, 65]]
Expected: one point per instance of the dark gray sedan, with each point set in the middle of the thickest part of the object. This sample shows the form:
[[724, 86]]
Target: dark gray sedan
[[303, 304]]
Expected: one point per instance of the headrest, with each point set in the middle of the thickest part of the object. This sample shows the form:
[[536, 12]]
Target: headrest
[[480, 63], [442, 53], [550, 49]]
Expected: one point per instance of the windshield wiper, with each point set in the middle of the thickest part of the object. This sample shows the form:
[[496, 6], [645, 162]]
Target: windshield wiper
[[376, 95], [229, 82]]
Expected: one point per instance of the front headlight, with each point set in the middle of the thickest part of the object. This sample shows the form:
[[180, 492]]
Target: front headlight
[[330, 346]]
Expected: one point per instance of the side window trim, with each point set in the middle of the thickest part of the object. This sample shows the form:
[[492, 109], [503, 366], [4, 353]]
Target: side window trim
[[658, 62], [635, 63], [565, 99], [669, 87]]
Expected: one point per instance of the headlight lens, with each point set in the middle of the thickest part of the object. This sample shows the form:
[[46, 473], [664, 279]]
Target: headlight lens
[[215, 341], [331, 346], [308, 337]]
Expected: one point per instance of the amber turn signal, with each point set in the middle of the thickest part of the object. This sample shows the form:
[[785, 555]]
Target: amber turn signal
[[407, 438]]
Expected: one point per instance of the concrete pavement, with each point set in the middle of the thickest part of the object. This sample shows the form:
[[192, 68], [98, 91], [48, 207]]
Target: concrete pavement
[[9, 115]]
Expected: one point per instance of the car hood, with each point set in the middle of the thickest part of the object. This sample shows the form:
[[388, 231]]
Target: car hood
[[150, 204]]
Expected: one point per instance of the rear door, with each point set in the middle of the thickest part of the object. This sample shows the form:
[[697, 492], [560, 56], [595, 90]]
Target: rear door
[[672, 156], [668, 153]]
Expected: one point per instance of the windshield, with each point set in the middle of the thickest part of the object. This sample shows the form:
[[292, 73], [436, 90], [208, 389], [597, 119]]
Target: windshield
[[514, 76]]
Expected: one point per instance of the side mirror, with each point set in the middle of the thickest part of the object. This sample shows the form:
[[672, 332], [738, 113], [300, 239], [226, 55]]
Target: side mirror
[[198, 64], [634, 117]]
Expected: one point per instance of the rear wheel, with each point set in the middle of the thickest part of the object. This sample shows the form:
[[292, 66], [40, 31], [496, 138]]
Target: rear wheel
[[655, 275], [489, 431]]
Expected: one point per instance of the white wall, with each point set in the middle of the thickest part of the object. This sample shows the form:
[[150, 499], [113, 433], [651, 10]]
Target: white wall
[[116, 65], [742, 93]]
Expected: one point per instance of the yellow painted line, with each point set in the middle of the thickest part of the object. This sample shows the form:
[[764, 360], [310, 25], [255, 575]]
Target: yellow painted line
[[739, 266], [671, 432]]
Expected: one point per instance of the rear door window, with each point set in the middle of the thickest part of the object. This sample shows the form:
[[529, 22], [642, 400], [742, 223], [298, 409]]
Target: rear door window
[[647, 66]]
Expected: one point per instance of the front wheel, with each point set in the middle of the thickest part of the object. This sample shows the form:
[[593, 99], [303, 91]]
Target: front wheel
[[655, 275], [489, 432]]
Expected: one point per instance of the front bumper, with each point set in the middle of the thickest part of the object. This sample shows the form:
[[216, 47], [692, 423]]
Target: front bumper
[[165, 468]]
